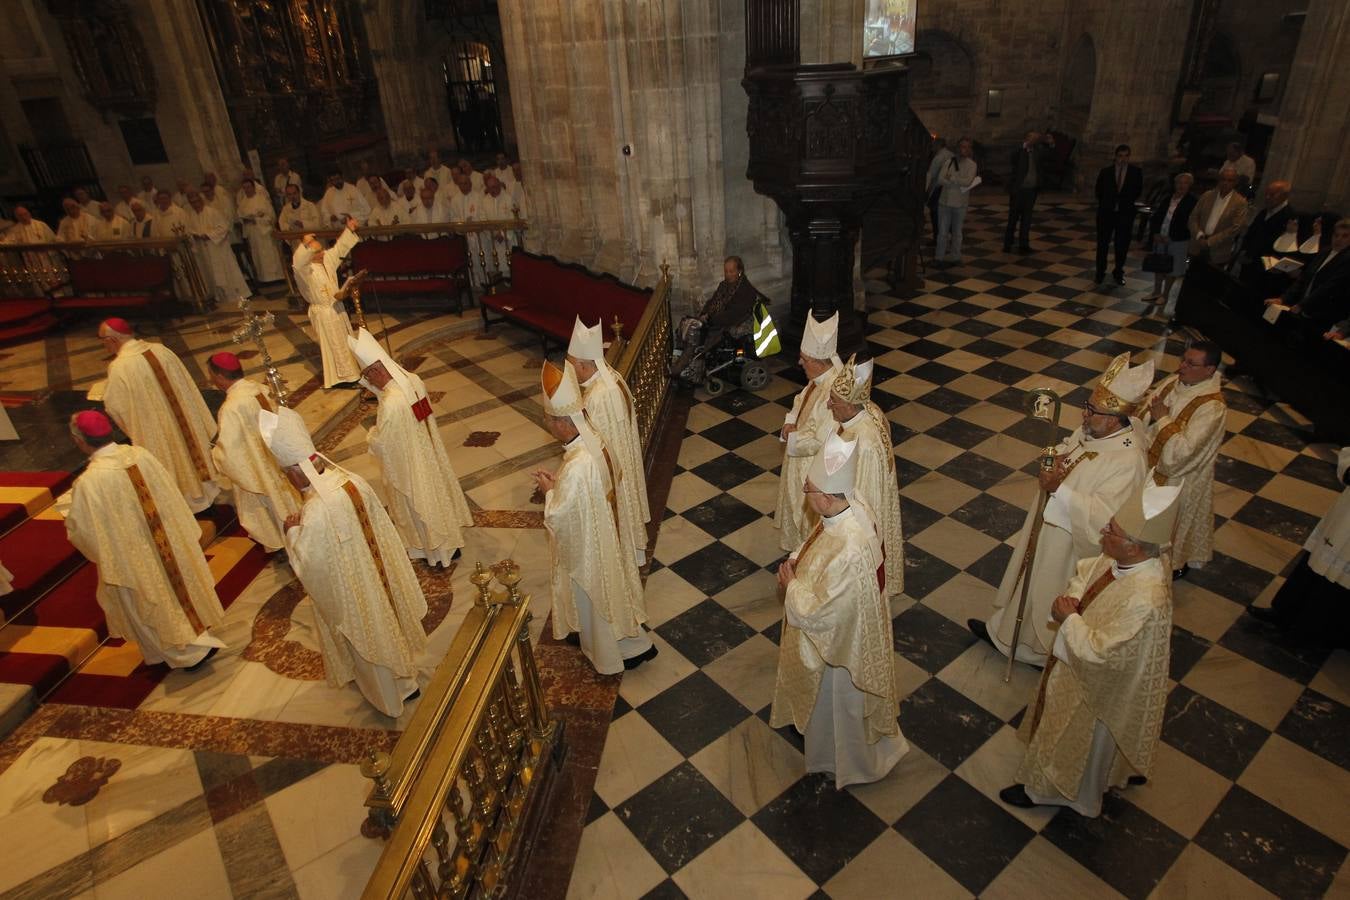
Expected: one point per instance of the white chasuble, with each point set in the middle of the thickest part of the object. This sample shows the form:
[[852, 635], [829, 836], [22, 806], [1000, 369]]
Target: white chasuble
[[256, 217], [836, 654], [1098, 711], [368, 604], [1103, 473], [810, 414], [128, 518], [583, 538], [1183, 447], [609, 407], [878, 487], [263, 497], [425, 499], [219, 266], [153, 399], [318, 284]]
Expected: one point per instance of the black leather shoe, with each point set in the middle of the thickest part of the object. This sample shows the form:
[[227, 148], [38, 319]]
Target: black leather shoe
[[1265, 615], [980, 630], [574, 639], [1119, 279], [413, 696], [635, 661], [1016, 795], [201, 662], [1178, 574], [1136, 781], [1024, 250]]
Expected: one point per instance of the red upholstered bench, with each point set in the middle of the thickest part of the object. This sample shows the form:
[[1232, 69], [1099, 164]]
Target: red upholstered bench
[[546, 296], [118, 281], [407, 267]]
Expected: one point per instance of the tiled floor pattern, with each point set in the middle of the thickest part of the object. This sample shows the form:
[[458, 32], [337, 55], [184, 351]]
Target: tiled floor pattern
[[696, 796]]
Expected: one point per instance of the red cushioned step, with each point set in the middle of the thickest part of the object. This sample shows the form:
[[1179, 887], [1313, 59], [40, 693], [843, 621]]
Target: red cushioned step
[[41, 670], [11, 514], [22, 332], [38, 555], [71, 604], [21, 309], [56, 482]]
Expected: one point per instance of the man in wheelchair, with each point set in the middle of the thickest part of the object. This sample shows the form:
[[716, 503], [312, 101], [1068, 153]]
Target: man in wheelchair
[[728, 311]]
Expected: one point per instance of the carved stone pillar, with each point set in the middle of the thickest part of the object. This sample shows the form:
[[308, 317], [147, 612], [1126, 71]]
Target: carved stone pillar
[[412, 94]]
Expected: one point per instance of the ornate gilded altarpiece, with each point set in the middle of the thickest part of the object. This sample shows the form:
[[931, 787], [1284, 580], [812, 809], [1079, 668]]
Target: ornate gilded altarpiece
[[297, 78]]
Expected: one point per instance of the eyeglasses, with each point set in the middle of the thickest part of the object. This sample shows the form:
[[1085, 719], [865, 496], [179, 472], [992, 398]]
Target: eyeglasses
[[1094, 411], [1193, 365]]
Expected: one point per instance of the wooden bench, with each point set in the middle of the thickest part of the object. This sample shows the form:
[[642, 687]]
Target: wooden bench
[[546, 296], [118, 281], [416, 267]]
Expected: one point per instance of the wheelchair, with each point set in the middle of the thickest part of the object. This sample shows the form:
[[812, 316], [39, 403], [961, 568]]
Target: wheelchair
[[731, 359]]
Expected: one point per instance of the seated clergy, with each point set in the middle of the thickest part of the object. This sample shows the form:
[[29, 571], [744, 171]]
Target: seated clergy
[[836, 659], [346, 552], [128, 518], [596, 590], [1097, 714]]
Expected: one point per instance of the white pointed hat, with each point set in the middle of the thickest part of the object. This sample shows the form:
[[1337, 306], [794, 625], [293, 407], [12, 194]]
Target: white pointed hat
[[835, 468], [853, 384], [587, 343], [1150, 512], [1122, 386], [285, 434], [369, 351], [562, 391], [821, 339]]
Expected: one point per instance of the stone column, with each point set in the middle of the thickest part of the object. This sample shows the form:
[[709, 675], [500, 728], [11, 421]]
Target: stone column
[[1310, 140], [411, 93]]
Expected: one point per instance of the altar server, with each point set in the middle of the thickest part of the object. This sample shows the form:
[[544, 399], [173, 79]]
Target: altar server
[[316, 278], [805, 428]]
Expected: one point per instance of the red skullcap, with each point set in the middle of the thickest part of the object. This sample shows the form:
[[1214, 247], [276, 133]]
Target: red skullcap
[[93, 424], [121, 326], [226, 361]]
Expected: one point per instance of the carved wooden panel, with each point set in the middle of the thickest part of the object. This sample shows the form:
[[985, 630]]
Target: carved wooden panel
[[107, 53], [771, 33]]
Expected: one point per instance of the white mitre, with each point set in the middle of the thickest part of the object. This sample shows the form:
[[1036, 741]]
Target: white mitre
[[820, 340], [1150, 512], [369, 351], [1122, 386], [587, 343], [284, 433], [853, 384], [834, 469], [562, 397]]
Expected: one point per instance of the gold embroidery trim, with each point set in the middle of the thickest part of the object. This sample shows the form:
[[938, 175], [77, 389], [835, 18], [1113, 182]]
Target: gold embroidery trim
[[180, 418], [1088, 596], [368, 532], [166, 557], [1172, 429]]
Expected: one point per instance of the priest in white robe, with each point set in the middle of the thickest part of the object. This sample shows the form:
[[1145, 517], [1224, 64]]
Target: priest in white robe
[[609, 409], [168, 221], [148, 192], [408, 200], [370, 184], [109, 226], [596, 589], [140, 219], [421, 487], [220, 199], [86, 202], [496, 206], [1096, 468], [436, 169], [127, 517], [180, 196], [342, 201], [429, 209], [258, 220], [76, 225], [1098, 712], [124, 197], [805, 428], [465, 203], [384, 211], [862, 421], [45, 268], [1185, 415], [475, 177], [347, 554], [263, 497], [316, 277], [155, 402], [297, 213], [284, 177], [211, 234], [836, 654]]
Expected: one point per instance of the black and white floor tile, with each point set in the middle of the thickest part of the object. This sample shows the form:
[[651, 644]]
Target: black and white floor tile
[[696, 796]]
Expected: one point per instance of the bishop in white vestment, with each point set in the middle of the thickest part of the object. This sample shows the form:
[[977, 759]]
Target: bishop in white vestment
[[1185, 416], [256, 216], [263, 498], [367, 602], [1096, 468], [316, 277], [610, 411], [836, 655], [155, 402], [423, 492], [1097, 714], [128, 518], [862, 421], [596, 589], [805, 428]]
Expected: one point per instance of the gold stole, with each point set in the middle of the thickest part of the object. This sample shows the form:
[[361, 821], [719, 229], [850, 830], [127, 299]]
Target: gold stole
[[180, 418], [368, 533], [1171, 429], [811, 539], [1088, 596], [161, 539]]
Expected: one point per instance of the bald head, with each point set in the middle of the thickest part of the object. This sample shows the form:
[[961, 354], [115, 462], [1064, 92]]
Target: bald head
[[1277, 192], [22, 215]]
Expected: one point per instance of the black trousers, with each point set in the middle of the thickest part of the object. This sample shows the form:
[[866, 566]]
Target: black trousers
[[933, 210], [1311, 608], [1020, 204], [1113, 227]]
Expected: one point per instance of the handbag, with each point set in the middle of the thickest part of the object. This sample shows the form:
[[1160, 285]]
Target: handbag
[[1158, 262]]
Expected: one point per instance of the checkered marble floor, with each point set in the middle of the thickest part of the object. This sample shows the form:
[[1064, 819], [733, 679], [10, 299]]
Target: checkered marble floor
[[696, 796]]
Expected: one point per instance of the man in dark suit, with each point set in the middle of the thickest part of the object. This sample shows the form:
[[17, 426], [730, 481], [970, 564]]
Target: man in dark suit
[[1260, 238], [1029, 163], [1118, 186], [1321, 296]]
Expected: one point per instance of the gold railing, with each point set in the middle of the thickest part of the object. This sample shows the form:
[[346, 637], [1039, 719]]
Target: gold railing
[[43, 269], [644, 359], [468, 777], [493, 260]]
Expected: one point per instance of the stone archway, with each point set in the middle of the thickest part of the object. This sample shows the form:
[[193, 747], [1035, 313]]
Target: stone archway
[[1078, 87]]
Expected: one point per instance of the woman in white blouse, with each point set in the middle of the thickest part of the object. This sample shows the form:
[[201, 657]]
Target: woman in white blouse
[[956, 178]]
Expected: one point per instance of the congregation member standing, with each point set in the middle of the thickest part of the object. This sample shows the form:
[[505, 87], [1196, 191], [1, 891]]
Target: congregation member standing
[[316, 279], [955, 179], [1216, 219], [836, 654], [1029, 163], [128, 518], [805, 428], [1118, 186], [1169, 232]]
